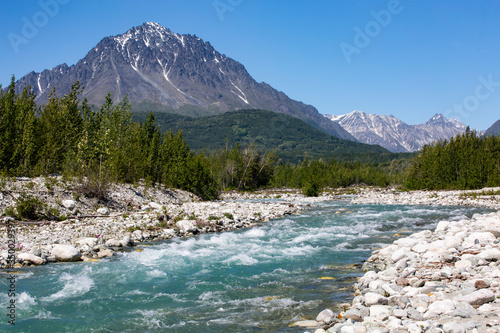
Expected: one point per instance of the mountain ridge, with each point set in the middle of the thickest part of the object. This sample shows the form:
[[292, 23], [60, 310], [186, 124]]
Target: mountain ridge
[[394, 134], [171, 72]]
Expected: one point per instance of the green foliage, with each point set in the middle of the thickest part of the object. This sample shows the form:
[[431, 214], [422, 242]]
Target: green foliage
[[288, 137], [242, 168], [467, 161], [228, 215], [29, 207], [101, 146], [98, 147], [311, 189], [313, 176]]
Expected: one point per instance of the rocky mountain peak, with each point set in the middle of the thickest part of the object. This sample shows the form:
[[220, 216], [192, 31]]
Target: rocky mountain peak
[[160, 70], [394, 134]]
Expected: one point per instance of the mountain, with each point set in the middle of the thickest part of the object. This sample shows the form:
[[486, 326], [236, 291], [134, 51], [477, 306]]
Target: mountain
[[292, 138], [494, 129], [164, 71], [394, 134]]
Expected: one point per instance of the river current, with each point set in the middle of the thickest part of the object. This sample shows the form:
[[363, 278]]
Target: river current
[[251, 280]]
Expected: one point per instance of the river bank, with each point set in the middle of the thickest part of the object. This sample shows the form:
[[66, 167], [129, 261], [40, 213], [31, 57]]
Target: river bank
[[85, 227], [446, 280]]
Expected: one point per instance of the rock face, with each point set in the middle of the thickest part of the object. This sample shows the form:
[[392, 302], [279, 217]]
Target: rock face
[[395, 135], [161, 70], [66, 253]]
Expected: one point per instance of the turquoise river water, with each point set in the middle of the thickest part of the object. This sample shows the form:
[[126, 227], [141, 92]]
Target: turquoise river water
[[252, 280]]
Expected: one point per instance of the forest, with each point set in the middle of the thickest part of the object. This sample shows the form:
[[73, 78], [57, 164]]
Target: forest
[[99, 146]]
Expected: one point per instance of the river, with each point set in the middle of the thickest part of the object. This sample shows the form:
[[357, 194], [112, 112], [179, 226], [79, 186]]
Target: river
[[252, 280]]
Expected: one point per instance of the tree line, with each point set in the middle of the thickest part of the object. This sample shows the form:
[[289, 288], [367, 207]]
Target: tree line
[[66, 136], [467, 161], [98, 146]]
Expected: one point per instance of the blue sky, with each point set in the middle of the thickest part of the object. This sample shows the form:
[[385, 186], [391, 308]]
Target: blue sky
[[407, 58]]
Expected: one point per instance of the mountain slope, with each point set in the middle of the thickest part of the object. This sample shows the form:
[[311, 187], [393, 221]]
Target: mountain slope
[[292, 138], [494, 129], [394, 134], [163, 71]]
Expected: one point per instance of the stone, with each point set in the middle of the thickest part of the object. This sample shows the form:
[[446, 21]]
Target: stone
[[452, 327], [305, 323], [69, 204], [414, 314], [490, 255], [380, 312], [137, 235], [353, 314], [89, 241], [478, 297], [155, 206], [105, 253], [35, 260], [442, 226], [186, 226], [375, 299], [65, 253], [399, 313], [36, 251], [347, 329], [440, 307], [480, 284], [325, 316], [463, 310], [401, 281], [463, 264], [399, 254], [113, 243], [103, 211], [126, 241]]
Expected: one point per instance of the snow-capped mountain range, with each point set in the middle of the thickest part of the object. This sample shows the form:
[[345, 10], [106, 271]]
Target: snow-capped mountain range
[[394, 134], [160, 70]]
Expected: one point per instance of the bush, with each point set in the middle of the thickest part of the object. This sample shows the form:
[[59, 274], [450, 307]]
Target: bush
[[29, 207], [311, 189]]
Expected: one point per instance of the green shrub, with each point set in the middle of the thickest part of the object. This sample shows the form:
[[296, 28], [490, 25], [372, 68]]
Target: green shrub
[[311, 189], [29, 207]]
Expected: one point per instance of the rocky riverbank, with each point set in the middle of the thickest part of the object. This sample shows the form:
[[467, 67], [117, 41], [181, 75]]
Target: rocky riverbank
[[446, 280], [77, 223]]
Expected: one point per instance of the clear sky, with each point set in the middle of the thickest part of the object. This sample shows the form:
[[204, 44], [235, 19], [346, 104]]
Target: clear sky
[[411, 59]]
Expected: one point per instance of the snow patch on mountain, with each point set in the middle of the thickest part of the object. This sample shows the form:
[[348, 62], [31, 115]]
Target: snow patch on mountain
[[394, 134]]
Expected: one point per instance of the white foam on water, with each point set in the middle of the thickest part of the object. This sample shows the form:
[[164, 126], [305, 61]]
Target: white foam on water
[[24, 301], [255, 233], [156, 273], [74, 285], [296, 251], [241, 259], [44, 315], [24, 275], [211, 297], [136, 292]]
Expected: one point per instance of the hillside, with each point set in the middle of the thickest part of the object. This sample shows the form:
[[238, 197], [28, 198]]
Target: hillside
[[494, 129], [292, 138]]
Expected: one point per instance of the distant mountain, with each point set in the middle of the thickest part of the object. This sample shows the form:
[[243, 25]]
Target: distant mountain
[[395, 135], [292, 138], [494, 129], [163, 71]]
